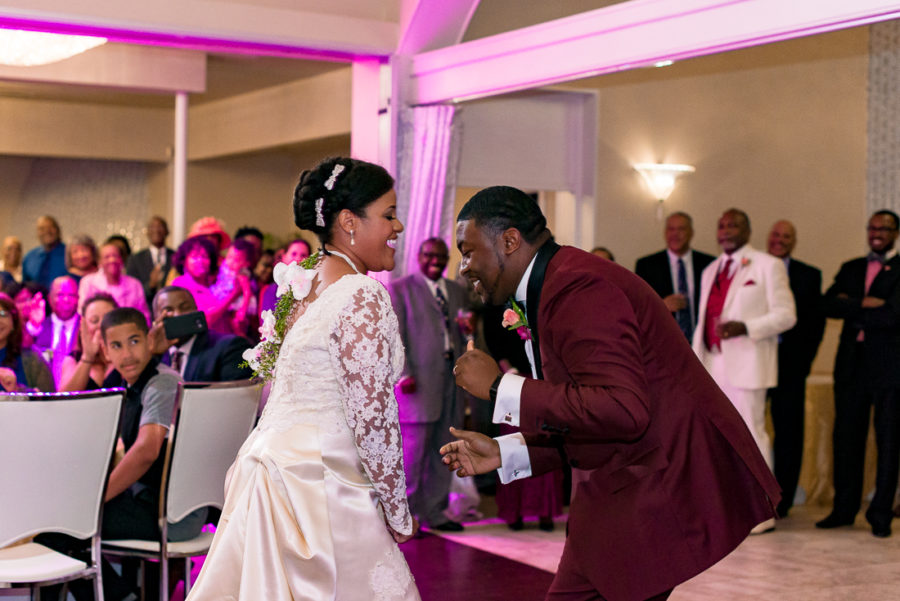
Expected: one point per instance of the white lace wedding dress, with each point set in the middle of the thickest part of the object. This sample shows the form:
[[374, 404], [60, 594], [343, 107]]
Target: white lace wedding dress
[[310, 490]]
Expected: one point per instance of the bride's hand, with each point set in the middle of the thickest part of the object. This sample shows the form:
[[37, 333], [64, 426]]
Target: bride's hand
[[402, 538]]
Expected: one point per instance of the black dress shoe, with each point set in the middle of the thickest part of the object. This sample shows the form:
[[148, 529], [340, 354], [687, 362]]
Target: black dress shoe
[[546, 524], [449, 526], [834, 521], [881, 531], [516, 526]]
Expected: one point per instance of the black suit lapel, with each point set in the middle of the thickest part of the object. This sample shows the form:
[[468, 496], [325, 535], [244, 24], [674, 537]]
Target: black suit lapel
[[883, 281], [533, 298]]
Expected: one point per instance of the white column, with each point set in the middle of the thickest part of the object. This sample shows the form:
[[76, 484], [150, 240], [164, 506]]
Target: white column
[[179, 167]]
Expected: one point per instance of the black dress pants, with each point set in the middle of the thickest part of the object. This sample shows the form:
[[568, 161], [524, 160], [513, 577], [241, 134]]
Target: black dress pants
[[127, 516], [854, 399], [788, 404]]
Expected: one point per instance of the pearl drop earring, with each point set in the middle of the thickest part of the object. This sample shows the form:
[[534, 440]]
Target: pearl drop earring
[[352, 240]]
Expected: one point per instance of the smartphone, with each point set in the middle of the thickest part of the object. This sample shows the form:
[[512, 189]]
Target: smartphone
[[185, 326]]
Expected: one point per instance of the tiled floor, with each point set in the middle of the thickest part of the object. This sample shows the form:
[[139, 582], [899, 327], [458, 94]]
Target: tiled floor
[[796, 562]]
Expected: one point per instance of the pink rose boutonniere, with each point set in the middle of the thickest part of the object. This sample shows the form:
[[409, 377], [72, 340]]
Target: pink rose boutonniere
[[745, 261], [514, 319]]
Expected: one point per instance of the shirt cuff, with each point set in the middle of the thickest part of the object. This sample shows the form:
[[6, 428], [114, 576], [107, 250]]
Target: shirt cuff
[[509, 394], [515, 463]]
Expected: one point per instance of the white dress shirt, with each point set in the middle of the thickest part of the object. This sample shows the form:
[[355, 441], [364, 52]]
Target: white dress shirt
[[514, 461], [433, 286], [65, 329], [185, 349]]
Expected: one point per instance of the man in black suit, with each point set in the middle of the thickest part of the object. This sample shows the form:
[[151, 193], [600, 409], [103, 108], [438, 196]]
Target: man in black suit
[[674, 273], [796, 350], [204, 357], [866, 295], [152, 264]]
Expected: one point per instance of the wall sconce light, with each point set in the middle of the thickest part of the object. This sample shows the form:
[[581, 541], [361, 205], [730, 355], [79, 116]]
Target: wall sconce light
[[28, 48], [661, 178]]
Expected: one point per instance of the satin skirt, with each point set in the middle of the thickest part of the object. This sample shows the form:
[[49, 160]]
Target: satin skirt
[[302, 522]]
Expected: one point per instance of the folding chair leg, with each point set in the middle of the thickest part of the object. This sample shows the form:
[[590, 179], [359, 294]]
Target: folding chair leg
[[98, 585], [187, 576], [164, 579]]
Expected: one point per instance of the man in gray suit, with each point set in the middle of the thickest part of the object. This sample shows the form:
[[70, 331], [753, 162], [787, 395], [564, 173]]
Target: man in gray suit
[[426, 304]]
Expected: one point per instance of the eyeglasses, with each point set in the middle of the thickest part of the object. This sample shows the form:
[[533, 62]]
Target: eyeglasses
[[881, 230]]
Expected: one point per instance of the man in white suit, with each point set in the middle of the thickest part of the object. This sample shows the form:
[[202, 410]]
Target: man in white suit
[[745, 303]]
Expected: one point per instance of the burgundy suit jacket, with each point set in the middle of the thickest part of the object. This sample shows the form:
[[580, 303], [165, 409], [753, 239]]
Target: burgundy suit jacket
[[677, 480]]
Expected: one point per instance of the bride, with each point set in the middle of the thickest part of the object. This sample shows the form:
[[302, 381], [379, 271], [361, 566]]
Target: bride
[[316, 499]]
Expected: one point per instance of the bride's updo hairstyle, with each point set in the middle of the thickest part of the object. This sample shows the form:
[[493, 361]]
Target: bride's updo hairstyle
[[333, 185]]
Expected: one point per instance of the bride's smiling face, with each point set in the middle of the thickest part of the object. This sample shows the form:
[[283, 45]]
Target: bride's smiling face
[[376, 237]]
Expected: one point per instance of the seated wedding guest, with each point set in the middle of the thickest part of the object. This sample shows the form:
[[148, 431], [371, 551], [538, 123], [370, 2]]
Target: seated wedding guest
[[11, 257], [26, 295], [201, 357], [211, 228], [603, 253], [296, 251], [55, 337], [48, 261], [197, 260], [235, 273], [131, 510], [255, 237], [152, 264], [81, 257], [87, 366], [111, 279], [21, 369], [123, 244], [264, 268]]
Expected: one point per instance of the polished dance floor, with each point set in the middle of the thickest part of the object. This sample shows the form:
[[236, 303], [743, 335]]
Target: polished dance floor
[[796, 562]]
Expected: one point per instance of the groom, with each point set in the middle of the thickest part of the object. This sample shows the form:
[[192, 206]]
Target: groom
[[675, 479]]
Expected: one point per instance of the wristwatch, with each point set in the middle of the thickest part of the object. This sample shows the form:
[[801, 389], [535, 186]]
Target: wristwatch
[[495, 386]]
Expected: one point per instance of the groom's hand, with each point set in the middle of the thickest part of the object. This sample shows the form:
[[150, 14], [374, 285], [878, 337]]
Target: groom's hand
[[475, 371], [473, 453]]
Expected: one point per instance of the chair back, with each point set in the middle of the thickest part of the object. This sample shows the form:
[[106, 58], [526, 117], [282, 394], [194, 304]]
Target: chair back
[[55, 457], [213, 422]]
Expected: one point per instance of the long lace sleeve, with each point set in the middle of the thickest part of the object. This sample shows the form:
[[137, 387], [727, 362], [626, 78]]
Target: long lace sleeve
[[368, 357]]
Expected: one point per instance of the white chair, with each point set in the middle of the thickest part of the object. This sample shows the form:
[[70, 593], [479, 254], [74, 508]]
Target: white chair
[[212, 423], [55, 457]]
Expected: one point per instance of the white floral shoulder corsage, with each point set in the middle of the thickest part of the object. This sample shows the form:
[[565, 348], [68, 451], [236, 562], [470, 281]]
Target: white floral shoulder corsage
[[294, 283]]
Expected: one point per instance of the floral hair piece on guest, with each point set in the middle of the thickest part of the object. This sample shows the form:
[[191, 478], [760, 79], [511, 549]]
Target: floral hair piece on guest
[[320, 219], [514, 319], [294, 283]]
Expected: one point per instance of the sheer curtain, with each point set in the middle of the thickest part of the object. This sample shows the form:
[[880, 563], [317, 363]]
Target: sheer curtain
[[427, 166]]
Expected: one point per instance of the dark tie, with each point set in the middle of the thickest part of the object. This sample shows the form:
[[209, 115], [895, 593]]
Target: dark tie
[[442, 303], [683, 316], [177, 357]]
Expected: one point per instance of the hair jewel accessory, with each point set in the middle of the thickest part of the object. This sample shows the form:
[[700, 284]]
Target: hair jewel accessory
[[320, 219], [338, 169]]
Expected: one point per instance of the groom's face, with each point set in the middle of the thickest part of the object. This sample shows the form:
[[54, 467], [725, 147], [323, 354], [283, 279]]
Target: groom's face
[[483, 263]]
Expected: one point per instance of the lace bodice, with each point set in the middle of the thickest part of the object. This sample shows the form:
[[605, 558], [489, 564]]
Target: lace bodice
[[337, 368]]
